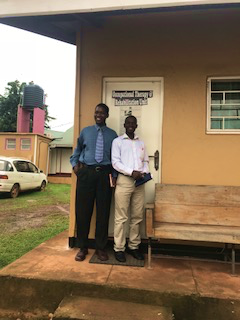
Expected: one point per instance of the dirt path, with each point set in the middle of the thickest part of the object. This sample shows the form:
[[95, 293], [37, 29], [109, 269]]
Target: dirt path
[[17, 220]]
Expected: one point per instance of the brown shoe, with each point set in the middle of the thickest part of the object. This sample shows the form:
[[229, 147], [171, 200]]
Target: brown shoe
[[81, 255], [102, 255]]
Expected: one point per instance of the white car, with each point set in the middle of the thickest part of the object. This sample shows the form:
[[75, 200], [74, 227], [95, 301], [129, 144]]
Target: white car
[[19, 175]]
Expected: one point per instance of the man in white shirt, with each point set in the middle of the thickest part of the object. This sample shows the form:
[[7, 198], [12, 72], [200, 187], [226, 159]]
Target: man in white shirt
[[129, 158]]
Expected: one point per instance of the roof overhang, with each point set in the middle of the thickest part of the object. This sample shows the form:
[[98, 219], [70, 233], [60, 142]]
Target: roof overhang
[[62, 19], [44, 7]]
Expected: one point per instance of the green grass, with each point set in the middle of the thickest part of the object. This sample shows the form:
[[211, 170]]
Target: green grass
[[53, 194], [15, 244]]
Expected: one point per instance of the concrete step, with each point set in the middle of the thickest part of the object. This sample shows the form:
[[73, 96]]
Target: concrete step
[[83, 308]]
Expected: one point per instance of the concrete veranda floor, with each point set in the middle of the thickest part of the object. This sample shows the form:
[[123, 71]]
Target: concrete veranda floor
[[53, 260]]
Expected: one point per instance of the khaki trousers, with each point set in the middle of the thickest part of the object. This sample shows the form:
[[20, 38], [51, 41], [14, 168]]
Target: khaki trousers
[[127, 196]]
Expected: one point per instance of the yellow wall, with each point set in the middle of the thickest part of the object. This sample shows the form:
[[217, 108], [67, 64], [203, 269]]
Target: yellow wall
[[185, 48], [27, 154]]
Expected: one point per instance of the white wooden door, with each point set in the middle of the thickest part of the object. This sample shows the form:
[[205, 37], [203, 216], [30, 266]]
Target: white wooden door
[[143, 98]]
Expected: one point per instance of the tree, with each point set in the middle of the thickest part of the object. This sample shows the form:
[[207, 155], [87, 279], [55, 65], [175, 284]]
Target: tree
[[9, 106]]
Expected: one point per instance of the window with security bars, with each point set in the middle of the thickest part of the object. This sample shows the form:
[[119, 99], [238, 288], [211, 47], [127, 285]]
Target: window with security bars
[[25, 144], [224, 105], [10, 144]]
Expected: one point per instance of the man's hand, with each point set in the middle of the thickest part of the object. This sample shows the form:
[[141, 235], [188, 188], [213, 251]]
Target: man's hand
[[114, 182], [137, 175], [75, 169]]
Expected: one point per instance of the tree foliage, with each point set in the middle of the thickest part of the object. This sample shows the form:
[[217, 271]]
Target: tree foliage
[[9, 106], [48, 118]]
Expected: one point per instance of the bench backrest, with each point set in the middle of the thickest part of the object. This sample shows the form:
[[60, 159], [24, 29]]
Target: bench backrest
[[193, 204]]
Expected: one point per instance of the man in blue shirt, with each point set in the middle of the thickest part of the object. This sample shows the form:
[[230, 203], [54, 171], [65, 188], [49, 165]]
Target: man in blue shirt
[[91, 162]]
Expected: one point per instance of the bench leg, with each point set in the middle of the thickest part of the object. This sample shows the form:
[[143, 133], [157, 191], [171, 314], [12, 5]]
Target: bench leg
[[225, 252], [149, 253], [233, 259]]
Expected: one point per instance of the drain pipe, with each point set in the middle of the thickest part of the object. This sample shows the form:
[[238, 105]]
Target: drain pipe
[[48, 161], [35, 150]]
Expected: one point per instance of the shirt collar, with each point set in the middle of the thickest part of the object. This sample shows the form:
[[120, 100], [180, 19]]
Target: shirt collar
[[103, 128], [125, 136]]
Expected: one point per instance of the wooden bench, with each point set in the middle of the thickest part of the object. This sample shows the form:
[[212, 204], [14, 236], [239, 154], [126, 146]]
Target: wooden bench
[[195, 213]]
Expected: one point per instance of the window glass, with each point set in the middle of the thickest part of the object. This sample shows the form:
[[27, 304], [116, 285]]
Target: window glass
[[2, 165], [5, 166], [217, 98], [222, 85], [216, 124], [32, 167], [25, 144], [10, 144], [224, 105], [21, 166], [232, 123]]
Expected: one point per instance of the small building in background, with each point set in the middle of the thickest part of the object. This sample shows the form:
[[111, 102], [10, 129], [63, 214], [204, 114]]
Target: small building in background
[[60, 169], [31, 146]]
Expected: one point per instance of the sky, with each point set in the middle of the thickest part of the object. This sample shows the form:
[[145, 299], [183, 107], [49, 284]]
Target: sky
[[49, 63]]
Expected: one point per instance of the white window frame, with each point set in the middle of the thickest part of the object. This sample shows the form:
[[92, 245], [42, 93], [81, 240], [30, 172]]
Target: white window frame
[[26, 147], [10, 146], [217, 131]]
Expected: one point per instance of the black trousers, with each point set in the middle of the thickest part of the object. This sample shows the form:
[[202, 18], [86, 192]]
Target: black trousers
[[93, 185]]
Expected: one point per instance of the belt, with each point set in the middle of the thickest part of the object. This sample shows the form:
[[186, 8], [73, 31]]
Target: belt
[[97, 168]]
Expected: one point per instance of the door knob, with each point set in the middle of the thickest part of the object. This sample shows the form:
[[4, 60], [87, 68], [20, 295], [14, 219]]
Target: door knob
[[156, 159]]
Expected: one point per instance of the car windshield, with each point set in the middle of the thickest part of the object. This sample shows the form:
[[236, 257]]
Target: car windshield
[[5, 165]]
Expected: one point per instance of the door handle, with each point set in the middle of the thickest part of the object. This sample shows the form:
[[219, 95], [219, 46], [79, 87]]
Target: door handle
[[156, 159]]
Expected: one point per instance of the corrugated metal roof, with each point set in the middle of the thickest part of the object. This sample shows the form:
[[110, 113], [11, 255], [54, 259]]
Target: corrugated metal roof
[[61, 139]]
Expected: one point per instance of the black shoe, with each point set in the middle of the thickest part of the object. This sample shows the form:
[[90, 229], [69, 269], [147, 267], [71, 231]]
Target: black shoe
[[136, 254], [81, 255], [120, 256], [102, 255]]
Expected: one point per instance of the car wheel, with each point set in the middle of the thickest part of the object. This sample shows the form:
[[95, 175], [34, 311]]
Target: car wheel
[[43, 186], [14, 191]]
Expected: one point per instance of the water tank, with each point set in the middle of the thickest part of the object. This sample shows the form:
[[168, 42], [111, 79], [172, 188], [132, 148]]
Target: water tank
[[33, 96]]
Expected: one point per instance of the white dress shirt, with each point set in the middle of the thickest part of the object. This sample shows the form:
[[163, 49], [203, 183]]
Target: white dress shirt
[[129, 155]]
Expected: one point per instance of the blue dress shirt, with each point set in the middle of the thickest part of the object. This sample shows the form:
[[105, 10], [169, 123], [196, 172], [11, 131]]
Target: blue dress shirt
[[86, 146]]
